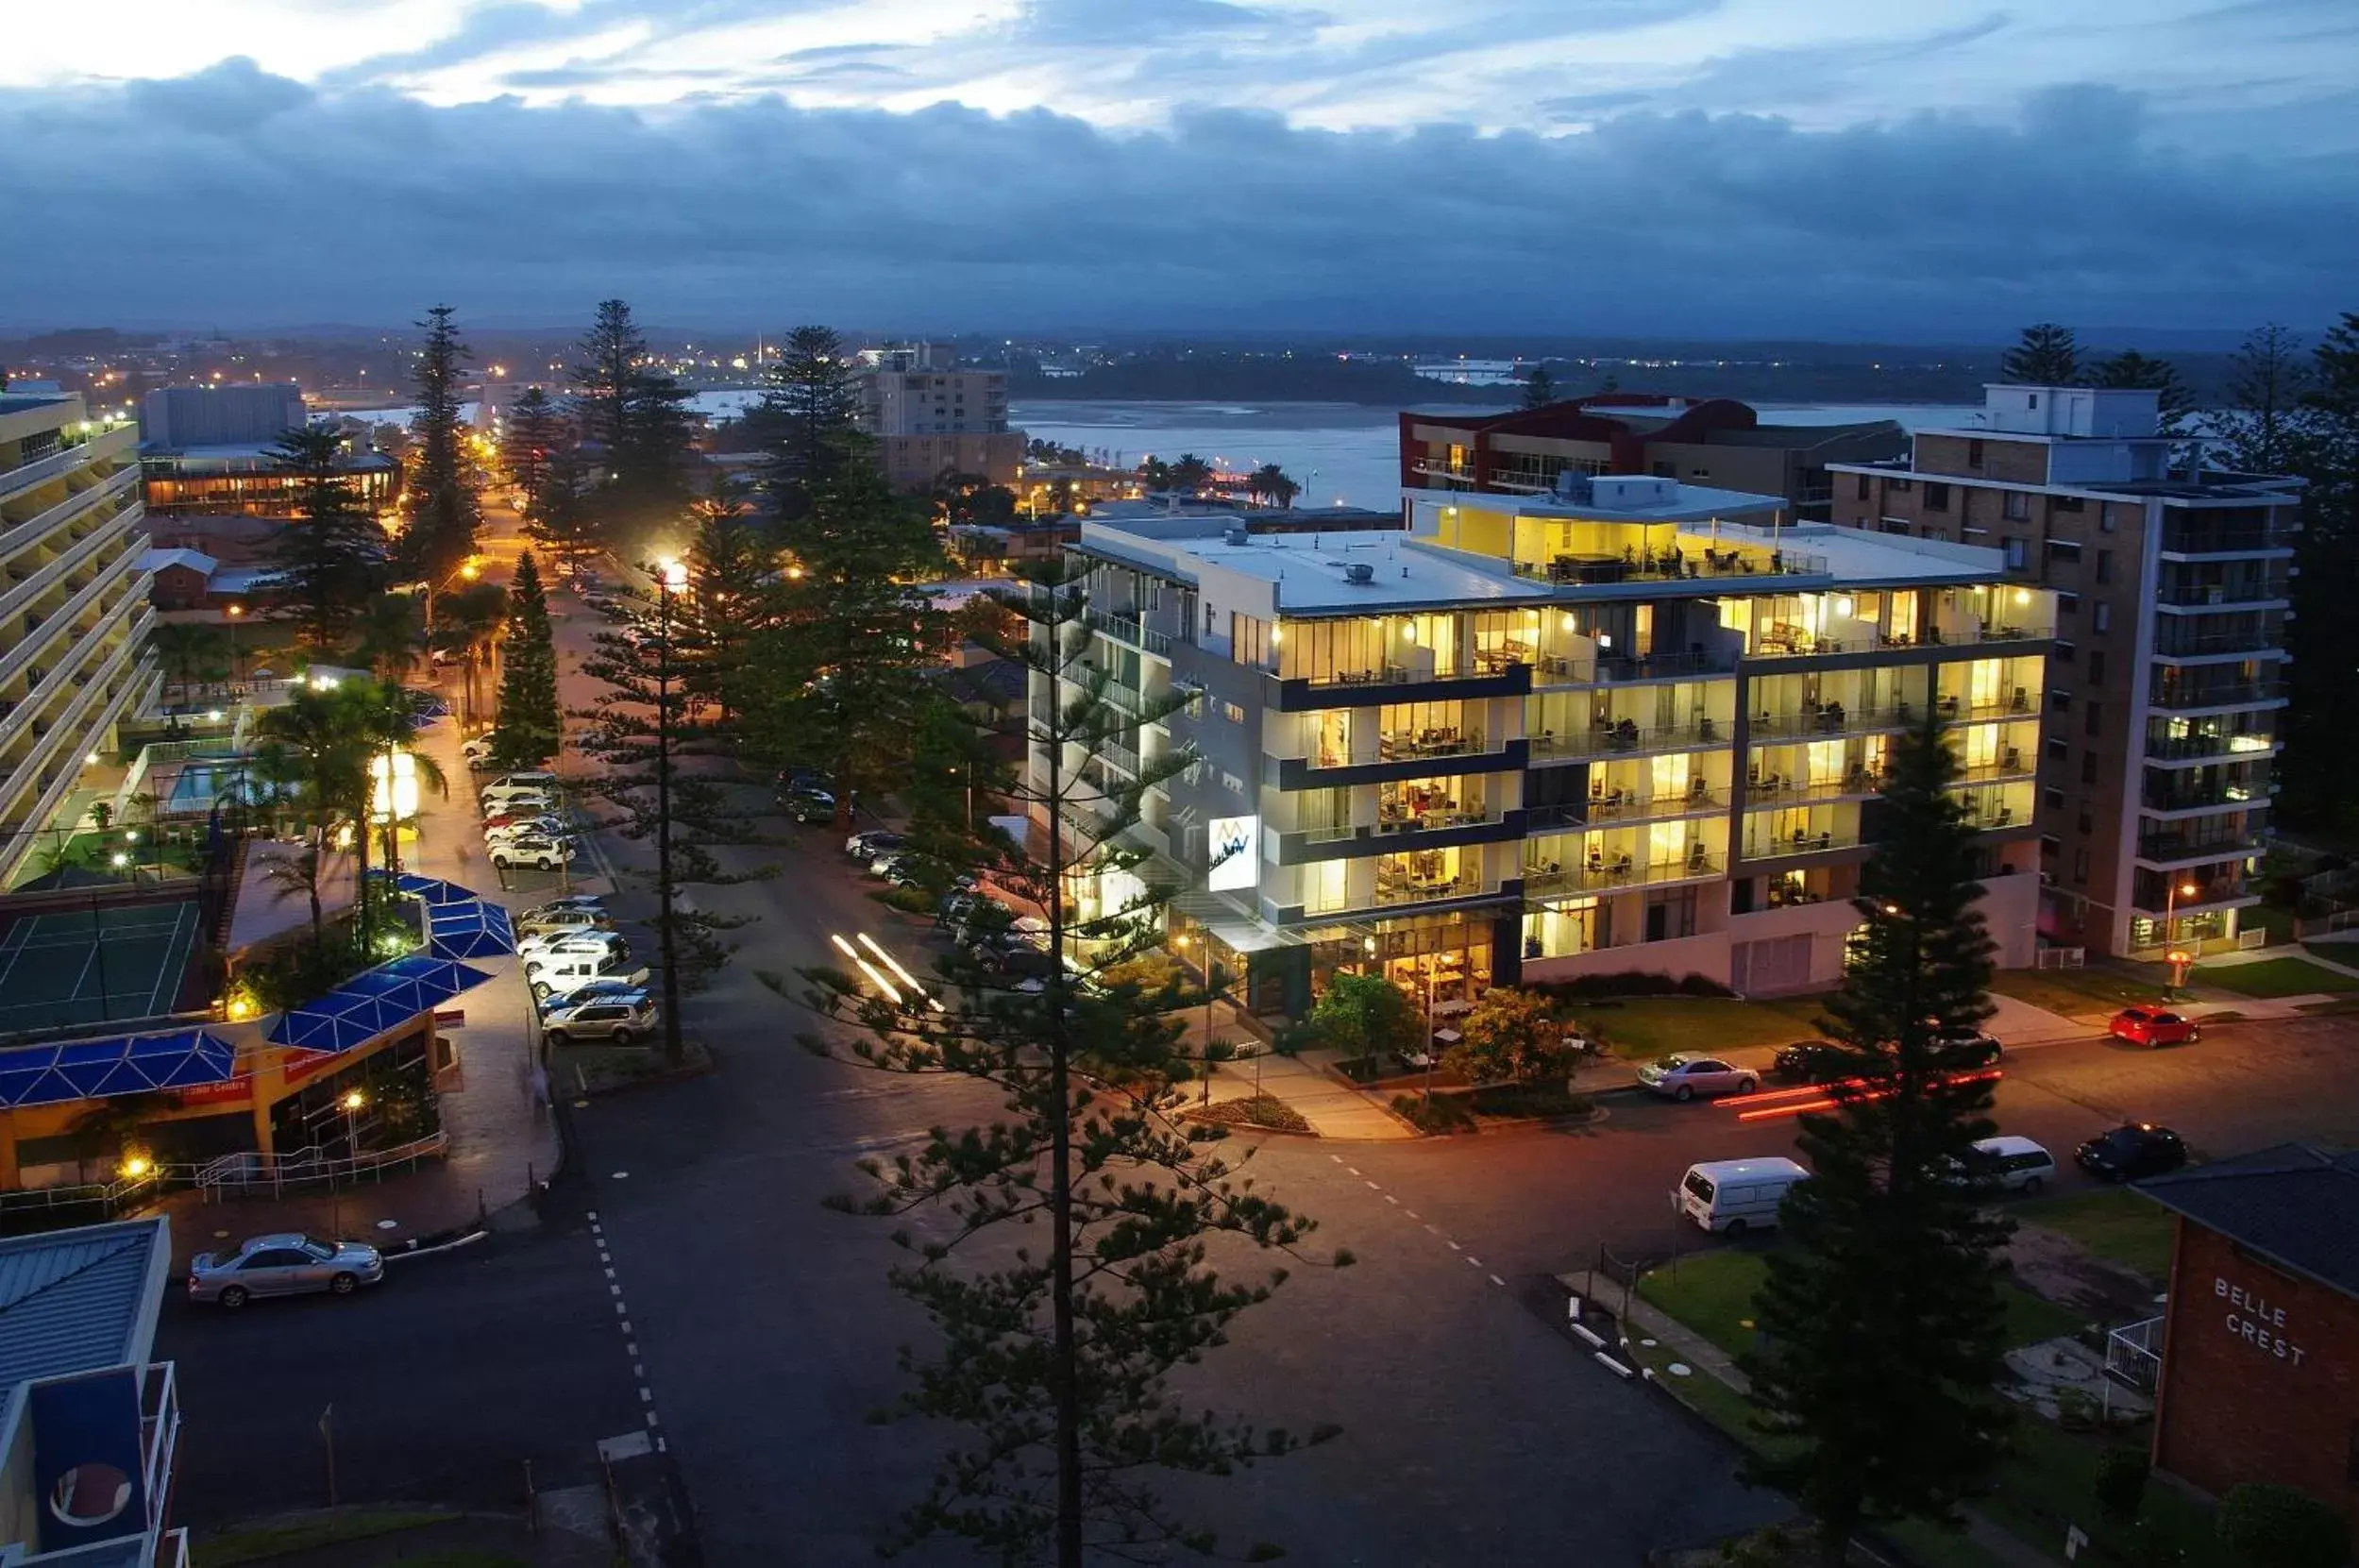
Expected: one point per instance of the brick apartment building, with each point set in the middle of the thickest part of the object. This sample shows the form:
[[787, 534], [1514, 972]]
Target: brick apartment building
[[2167, 677], [2260, 1374], [1714, 442]]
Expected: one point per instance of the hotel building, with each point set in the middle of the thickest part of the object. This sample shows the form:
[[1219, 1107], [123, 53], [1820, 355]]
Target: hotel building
[[72, 603], [1712, 440], [2170, 589], [1628, 724], [930, 417]]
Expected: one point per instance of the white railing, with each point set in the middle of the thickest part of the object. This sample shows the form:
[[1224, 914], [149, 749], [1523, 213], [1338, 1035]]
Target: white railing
[[41, 524], [118, 441], [253, 1168], [2133, 1355]]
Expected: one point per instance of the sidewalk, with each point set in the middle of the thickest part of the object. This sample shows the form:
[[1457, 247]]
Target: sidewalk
[[1332, 1108], [502, 1141]]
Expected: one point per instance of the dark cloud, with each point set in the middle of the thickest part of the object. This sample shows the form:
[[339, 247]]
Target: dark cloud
[[357, 207]]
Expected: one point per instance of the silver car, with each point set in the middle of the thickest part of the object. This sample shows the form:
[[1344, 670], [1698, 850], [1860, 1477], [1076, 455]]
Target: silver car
[[290, 1264], [1684, 1078], [618, 1020]]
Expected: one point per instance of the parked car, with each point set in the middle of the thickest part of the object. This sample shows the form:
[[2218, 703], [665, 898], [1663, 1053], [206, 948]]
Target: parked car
[[288, 1264], [1975, 1050], [1813, 1061], [615, 988], [808, 805], [477, 752], [593, 902], [1732, 1196], [898, 869], [2131, 1150], [541, 853], [542, 944], [530, 778], [513, 800], [555, 921], [609, 606], [1684, 1078], [562, 974], [616, 1019], [2008, 1164], [875, 841], [543, 826], [2153, 1027]]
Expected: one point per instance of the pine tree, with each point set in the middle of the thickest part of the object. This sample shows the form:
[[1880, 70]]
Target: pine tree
[[561, 524], [1076, 1281], [1882, 1327], [449, 513], [2045, 356], [843, 675], [1540, 388], [813, 403], [2265, 428], [529, 729], [329, 558], [649, 744], [636, 420], [2131, 368], [733, 581], [528, 438], [2322, 742]]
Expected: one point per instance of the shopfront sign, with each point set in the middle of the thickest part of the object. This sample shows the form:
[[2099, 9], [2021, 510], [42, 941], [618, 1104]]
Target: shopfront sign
[[1236, 846]]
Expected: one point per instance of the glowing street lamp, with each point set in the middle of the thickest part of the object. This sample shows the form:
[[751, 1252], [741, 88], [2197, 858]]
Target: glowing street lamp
[[2178, 958]]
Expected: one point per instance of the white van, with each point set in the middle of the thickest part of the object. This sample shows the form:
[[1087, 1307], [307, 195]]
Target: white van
[[2010, 1164], [563, 974], [1735, 1195]]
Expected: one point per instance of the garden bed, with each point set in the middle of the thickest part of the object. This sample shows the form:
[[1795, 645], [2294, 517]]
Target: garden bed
[[1258, 1110]]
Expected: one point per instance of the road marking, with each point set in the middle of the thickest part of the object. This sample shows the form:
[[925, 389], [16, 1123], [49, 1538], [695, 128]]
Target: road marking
[[1496, 1280], [1338, 1158], [626, 1325], [637, 1370], [619, 1309], [647, 1396], [650, 1419], [1353, 1169], [617, 1289], [1454, 1246], [1394, 1201], [610, 1273], [1410, 1212], [1371, 1186], [1472, 1259]]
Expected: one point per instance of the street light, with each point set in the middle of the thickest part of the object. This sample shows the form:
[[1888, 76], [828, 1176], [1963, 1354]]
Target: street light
[[352, 1100], [1185, 939], [234, 612], [2178, 959]]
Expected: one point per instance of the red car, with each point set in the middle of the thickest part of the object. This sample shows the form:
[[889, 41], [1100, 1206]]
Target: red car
[[2153, 1026]]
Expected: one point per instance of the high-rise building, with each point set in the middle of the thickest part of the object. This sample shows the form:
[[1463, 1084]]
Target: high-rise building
[[1715, 441], [74, 610], [932, 417], [1633, 723], [236, 414], [2170, 584]]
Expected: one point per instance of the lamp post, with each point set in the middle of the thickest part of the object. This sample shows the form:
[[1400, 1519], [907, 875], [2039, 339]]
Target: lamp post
[[234, 612], [1186, 939], [2177, 960], [671, 576], [351, 1101]]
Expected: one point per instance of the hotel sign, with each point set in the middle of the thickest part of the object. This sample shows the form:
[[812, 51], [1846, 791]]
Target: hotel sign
[[2258, 1322], [1234, 846]]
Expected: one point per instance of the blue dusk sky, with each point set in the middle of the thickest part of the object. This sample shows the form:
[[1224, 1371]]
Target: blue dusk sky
[[1848, 168]]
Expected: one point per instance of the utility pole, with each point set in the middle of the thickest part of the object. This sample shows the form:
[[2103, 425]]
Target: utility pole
[[671, 577]]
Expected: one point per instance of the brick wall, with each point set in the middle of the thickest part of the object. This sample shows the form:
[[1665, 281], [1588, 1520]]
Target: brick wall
[[2260, 1375]]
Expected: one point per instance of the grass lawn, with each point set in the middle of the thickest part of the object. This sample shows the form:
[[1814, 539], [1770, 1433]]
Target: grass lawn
[[2083, 990], [306, 1532], [2116, 1225], [2274, 977], [1713, 1293], [1648, 1027]]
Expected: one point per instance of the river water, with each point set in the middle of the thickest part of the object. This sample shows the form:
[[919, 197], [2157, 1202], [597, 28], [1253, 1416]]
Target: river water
[[1338, 452]]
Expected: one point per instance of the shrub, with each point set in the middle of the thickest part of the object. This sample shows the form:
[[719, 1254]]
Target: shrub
[[1529, 1100], [2281, 1526], [1443, 1113], [1629, 982], [1366, 1015], [2121, 1473]]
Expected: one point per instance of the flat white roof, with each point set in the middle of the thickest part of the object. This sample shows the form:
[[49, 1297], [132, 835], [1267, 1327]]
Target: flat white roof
[[1310, 570], [1856, 557]]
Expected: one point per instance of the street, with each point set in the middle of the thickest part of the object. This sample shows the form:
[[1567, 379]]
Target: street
[[753, 1329]]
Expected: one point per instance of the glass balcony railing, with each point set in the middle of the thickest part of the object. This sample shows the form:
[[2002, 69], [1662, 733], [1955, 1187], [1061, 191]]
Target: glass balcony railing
[[1627, 737], [1609, 871], [2193, 748], [2219, 694]]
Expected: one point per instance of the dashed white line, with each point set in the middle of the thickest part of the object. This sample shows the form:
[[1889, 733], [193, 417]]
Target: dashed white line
[[1371, 1186], [1353, 1169], [1394, 1201], [1410, 1212], [1338, 1158], [1454, 1246], [614, 1290], [650, 1419], [647, 1396], [610, 1273], [1496, 1280], [1472, 1259]]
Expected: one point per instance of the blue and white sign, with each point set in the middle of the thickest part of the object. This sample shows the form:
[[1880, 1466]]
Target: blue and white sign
[[1236, 845]]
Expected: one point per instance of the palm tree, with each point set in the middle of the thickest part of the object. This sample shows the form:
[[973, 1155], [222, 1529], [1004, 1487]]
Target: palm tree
[[1269, 483], [389, 635], [469, 620], [1191, 473], [315, 744], [385, 718], [188, 650], [301, 871]]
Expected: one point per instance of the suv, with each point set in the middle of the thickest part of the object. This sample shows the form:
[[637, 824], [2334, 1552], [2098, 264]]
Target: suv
[[866, 845], [500, 798], [534, 849], [509, 828], [548, 921], [1813, 1061], [807, 804], [618, 1020], [542, 944], [614, 988], [562, 974]]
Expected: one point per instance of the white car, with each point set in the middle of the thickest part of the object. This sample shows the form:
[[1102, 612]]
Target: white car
[[566, 973], [541, 853], [593, 902], [2008, 1164], [508, 799], [477, 752], [1684, 1078], [559, 923], [572, 941], [530, 827]]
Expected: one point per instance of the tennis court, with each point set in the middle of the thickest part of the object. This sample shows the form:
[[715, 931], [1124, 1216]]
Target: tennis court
[[91, 965]]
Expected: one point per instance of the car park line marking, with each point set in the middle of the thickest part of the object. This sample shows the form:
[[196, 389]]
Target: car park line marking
[[1394, 1201], [610, 1273], [626, 1322], [1454, 1246], [637, 1370], [647, 1396], [619, 1310], [1410, 1212], [1353, 1169], [1338, 1158], [1473, 1260], [1496, 1280], [1371, 1186], [615, 1290]]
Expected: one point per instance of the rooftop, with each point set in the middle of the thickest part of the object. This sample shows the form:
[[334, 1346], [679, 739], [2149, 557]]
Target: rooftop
[[1616, 498], [2292, 1205], [79, 1299], [157, 560], [1310, 570]]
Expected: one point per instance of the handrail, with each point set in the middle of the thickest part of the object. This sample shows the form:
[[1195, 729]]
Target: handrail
[[253, 1168], [67, 458], [35, 528]]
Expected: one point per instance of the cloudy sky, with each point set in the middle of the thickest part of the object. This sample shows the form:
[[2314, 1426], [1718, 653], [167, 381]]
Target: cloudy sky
[[1762, 167]]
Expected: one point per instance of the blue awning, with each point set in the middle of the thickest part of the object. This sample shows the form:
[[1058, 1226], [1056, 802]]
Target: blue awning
[[374, 1001], [93, 1070], [471, 930]]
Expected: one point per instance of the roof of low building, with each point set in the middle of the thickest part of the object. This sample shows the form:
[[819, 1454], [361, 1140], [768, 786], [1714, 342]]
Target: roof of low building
[[157, 560], [2292, 1205], [77, 1300]]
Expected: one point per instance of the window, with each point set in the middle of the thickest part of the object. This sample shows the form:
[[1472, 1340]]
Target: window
[[1699, 473], [2087, 821], [2106, 521], [2018, 554], [2097, 665], [2088, 768], [2080, 866], [1936, 497], [1231, 712], [2101, 618], [2068, 605], [2104, 565], [2016, 507], [2057, 748], [2064, 552], [2034, 402], [2069, 503], [2052, 799], [1861, 492], [2064, 652], [1231, 782], [2093, 723], [1900, 487], [1974, 454], [2060, 701]]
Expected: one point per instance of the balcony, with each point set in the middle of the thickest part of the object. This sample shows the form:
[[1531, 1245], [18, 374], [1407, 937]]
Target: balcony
[[1437, 830], [1626, 738], [1832, 718], [2214, 596], [1764, 845], [121, 441], [1403, 759], [1674, 565], [2222, 891], [28, 648], [2240, 744], [1392, 683], [2175, 801], [1128, 630], [1609, 669], [47, 577], [1395, 890], [2166, 850], [43, 523], [2199, 542], [1613, 873], [2186, 697], [2174, 642], [1619, 806], [1776, 789]]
